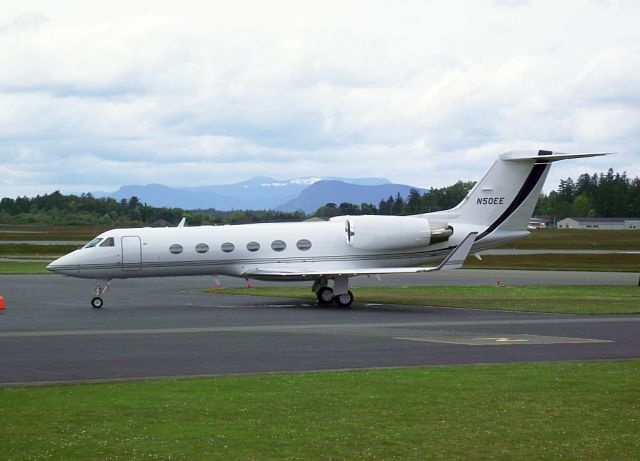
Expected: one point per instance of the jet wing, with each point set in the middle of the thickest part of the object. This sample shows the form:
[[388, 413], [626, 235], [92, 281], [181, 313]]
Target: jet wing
[[454, 260]]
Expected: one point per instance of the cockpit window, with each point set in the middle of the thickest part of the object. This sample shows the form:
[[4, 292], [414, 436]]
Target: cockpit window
[[108, 242], [93, 242]]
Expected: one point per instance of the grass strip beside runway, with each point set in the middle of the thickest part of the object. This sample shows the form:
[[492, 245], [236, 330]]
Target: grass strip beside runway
[[23, 267], [28, 250], [582, 410], [564, 299], [578, 239], [559, 262]]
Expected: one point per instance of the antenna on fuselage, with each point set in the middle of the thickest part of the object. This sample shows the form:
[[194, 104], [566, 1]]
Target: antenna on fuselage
[[182, 222]]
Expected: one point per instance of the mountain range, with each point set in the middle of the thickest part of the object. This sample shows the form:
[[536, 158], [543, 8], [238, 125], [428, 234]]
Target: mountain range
[[263, 193]]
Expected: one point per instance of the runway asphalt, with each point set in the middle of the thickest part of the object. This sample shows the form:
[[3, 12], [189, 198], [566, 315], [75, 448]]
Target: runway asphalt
[[159, 327]]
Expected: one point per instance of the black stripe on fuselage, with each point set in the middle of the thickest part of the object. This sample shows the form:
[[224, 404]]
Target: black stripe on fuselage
[[529, 184]]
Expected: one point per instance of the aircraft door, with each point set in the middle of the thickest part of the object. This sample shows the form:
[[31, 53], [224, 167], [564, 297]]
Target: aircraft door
[[131, 253]]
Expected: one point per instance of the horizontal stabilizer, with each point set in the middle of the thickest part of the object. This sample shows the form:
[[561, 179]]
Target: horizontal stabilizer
[[547, 156]]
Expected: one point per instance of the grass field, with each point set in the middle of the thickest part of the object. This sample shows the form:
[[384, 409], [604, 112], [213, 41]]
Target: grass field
[[583, 239], [583, 410], [16, 233], [23, 249], [599, 299], [23, 267], [562, 262]]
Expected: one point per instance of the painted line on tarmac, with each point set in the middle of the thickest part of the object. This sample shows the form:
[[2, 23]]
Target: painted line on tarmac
[[321, 327]]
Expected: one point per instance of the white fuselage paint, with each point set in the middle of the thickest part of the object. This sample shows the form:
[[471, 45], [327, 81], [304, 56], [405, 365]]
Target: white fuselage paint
[[145, 252]]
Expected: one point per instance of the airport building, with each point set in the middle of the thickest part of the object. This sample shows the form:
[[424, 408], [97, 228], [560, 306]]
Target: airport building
[[599, 223], [537, 223]]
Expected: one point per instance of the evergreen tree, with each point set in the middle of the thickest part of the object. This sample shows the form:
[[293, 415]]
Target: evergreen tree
[[398, 205]]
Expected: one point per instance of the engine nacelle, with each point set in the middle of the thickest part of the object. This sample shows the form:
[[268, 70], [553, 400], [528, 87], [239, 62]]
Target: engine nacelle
[[393, 232]]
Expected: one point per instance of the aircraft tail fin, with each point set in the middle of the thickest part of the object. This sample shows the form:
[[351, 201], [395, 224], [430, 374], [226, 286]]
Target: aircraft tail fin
[[507, 195]]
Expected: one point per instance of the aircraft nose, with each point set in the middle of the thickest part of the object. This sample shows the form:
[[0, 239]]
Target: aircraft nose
[[63, 265], [53, 266]]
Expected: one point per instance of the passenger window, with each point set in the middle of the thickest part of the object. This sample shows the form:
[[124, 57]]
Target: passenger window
[[202, 247], [227, 247], [108, 242], [303, 244], [278, 245], [253, 246], [175, 249]]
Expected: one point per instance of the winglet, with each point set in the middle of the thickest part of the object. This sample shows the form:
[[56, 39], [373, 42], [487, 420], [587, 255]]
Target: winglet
[[455, 259], [182, 222]]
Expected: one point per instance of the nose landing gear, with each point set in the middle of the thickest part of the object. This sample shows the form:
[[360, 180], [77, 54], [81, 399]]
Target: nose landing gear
[[96, 302], [104, 286]]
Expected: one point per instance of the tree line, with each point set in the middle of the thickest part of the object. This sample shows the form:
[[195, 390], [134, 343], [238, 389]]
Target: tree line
[[604, 195], [607, 194], [57, 209], [415, 203]]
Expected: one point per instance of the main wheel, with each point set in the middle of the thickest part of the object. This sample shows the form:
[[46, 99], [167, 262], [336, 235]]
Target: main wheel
[[97, 302], [344, 300], [325, 295]]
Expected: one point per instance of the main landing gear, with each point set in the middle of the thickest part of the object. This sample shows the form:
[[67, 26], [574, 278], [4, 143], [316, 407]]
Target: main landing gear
[[327, 295], [104, 286]]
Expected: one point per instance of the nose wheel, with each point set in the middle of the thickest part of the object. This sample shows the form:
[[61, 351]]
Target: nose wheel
[[97, 302], [104, 286]]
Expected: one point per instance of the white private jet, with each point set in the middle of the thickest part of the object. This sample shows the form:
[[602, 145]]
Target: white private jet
[[328, 253]]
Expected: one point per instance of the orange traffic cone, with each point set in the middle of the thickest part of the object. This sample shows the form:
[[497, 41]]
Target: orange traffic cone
[[1, 303]]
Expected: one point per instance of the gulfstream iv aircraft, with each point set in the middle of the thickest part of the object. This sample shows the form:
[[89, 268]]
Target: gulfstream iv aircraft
[[328, 253]]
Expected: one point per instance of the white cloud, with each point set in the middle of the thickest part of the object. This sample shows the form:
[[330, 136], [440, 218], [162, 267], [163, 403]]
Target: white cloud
[[425, 93]]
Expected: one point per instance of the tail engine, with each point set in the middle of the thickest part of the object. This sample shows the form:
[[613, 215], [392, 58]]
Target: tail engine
[[393, 232]]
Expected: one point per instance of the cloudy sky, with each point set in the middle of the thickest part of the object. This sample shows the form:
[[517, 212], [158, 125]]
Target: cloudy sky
[[94, 95]]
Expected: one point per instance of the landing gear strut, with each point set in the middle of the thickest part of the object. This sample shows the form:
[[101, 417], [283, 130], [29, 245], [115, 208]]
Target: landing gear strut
[[104, 286], [326, 294]]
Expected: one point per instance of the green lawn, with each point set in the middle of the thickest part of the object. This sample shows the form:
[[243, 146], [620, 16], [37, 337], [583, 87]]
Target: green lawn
[[582, 410], [16, 232], [562, 262], [578, 299], [573, 239], [28, 250], [26, 267]]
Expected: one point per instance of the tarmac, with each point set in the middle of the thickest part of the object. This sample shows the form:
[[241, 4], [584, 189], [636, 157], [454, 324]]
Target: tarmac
[[151, 328]]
